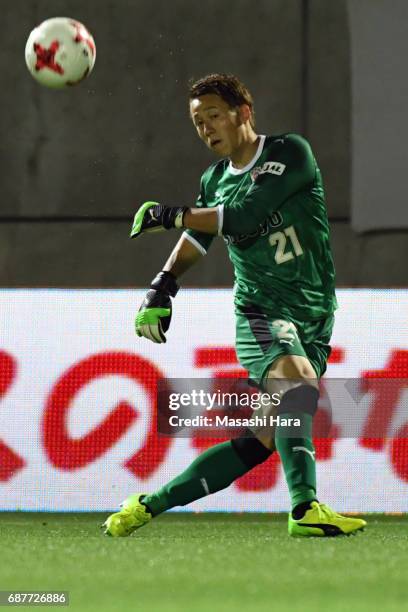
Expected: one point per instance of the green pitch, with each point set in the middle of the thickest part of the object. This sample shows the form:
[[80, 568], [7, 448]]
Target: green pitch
[[205, 562]]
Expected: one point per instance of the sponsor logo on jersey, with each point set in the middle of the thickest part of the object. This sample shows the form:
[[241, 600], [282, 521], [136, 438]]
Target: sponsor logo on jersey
[[270, 167], [246, 240]]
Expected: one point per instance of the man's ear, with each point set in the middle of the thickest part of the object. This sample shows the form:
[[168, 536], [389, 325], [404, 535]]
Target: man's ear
[[244, 113]]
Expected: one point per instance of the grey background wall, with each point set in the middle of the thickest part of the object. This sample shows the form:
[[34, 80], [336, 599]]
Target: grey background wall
[[379, 190], [77, 163]]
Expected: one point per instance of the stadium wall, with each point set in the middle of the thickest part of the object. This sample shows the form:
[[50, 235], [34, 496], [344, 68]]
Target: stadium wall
[[76, 164], [77, 414]]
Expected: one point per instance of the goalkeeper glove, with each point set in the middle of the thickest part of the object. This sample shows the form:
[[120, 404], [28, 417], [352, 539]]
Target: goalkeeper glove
[[154, 217], [154, 316]]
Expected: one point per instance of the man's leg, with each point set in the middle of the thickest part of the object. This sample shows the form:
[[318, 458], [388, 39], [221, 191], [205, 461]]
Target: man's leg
[[308, 517], [213, 470], [297, 376]]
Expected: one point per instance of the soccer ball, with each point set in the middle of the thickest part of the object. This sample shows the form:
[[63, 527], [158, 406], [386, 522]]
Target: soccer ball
[[60, 52]]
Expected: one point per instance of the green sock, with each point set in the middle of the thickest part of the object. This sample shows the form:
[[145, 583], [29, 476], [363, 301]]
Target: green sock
[[298, 460], [213, 470]]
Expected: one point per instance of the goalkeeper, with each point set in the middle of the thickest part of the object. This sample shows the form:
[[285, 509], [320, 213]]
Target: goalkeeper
[[265, 198]]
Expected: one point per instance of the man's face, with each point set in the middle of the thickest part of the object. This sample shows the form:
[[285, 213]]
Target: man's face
[[217, 124]]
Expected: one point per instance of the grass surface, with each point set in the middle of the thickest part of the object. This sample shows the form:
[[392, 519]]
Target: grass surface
[[205, 562]]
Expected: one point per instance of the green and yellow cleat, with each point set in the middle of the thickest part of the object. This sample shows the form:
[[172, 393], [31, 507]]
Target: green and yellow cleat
[[322, 521], [132, 516]]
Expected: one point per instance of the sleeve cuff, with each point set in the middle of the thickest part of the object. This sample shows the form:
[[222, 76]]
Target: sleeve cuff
[[220, 213], [195, 242]]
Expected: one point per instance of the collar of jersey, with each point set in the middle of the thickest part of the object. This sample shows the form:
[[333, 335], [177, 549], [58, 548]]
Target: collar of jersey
[[253, 161]]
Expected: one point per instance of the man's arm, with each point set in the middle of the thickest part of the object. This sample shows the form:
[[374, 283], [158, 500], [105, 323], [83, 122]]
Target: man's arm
[[153, 217], [182, 258], [291, 170], [154, 316], [206, 220]]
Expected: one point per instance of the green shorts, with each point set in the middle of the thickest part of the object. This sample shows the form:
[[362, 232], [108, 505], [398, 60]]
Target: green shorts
[[261, 339]]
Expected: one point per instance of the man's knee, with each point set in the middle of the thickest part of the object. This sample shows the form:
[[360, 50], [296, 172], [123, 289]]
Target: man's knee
[[291, 367], [293, 378]]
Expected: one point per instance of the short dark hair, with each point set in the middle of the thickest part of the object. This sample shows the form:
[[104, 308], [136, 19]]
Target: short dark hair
[[228, 87]]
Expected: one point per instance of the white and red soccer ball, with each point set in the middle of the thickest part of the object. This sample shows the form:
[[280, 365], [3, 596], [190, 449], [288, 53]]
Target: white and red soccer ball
[[60, 52]]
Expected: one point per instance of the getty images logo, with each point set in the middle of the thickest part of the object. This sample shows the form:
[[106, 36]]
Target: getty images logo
[[271, 167]]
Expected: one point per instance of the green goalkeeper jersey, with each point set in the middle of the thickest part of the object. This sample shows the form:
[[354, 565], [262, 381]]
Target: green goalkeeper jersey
[[272, 216]]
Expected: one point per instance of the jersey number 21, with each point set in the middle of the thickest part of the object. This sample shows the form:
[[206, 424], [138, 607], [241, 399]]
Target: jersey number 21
[[280, 239]]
